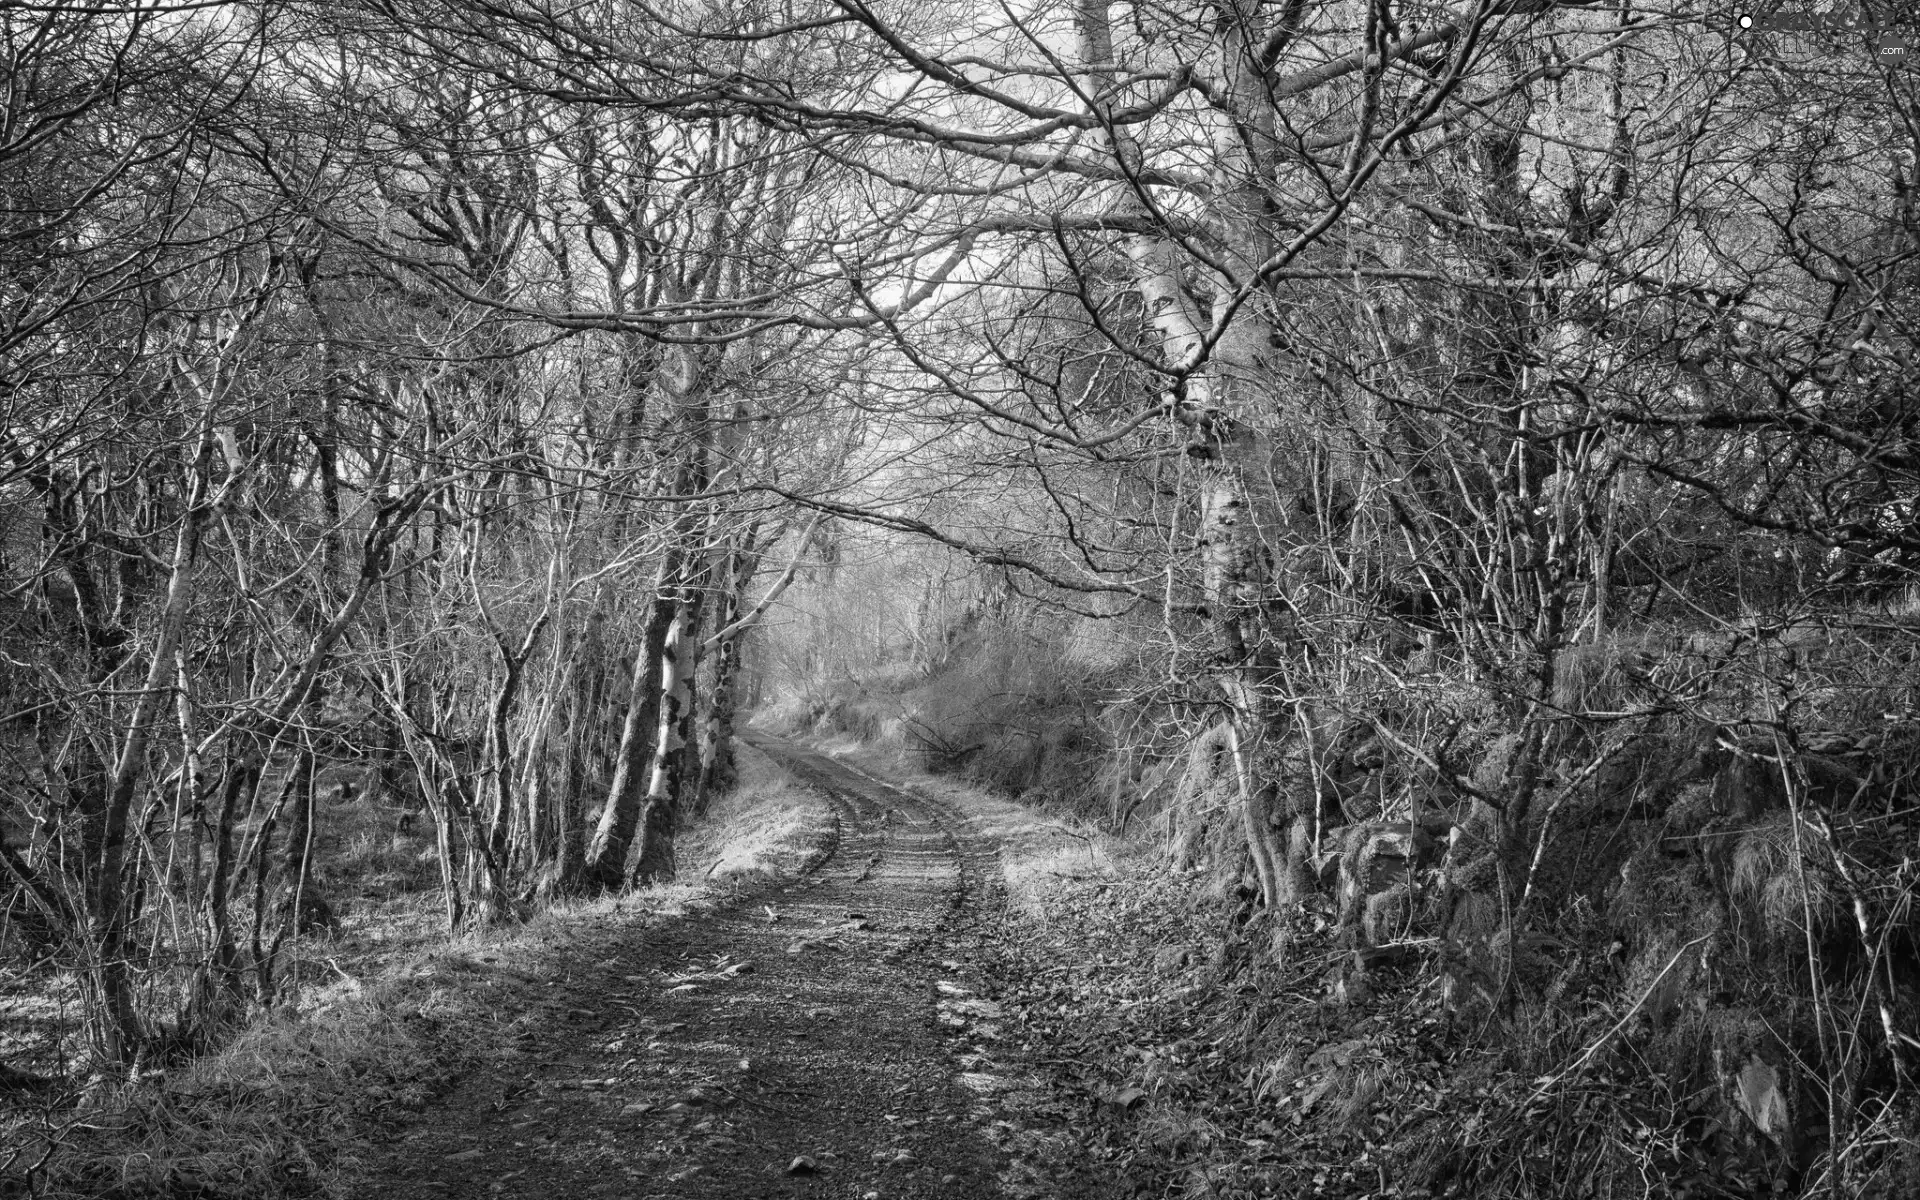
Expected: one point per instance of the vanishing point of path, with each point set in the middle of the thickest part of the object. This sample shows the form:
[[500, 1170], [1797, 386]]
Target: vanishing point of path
[[798, 1043]]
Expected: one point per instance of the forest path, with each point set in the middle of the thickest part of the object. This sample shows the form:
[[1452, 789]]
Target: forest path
[[702, 1056]]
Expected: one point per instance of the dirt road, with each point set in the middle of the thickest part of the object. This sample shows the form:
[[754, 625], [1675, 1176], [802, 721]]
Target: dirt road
[[804, 1042]]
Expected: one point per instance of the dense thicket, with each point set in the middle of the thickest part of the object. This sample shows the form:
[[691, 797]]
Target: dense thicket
[[1458, 458]]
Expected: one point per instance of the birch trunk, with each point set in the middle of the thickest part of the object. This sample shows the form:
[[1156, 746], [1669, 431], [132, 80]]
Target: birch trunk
[[656, 859], [1210, 382], [619, 819]]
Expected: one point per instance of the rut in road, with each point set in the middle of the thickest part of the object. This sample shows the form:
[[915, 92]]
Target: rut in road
[[704, 1056]]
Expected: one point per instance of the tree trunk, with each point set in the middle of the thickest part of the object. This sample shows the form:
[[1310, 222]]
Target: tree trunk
[[304, 905], [116, 1032], [717, 771], [499, 771], [656, 860], [216, 990], [1211, 382], [619, 819], [583, 707]]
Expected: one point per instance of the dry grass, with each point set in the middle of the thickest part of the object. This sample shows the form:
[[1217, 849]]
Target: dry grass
[[1766, 878], [769, 827]]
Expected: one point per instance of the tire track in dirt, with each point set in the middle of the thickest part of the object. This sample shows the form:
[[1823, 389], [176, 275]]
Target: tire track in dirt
[[701, 1057]]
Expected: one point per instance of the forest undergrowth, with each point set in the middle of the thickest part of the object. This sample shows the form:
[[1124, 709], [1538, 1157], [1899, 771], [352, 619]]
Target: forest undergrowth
[[388, 1013]]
